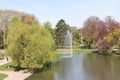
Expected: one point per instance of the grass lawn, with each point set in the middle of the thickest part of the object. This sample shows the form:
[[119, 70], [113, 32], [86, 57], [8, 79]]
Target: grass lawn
[[2, 76], [1, 54], [76, 49], [6, 67]]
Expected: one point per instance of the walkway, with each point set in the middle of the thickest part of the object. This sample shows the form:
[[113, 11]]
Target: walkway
[[12, 75], [4, 61], [19, 75]]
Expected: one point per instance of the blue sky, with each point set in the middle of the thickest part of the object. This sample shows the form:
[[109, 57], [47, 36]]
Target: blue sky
[[74, 12]]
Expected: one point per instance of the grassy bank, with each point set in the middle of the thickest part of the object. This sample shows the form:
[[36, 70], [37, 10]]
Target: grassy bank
[[2, 76], [3, 67], [6, 67], [76, 49]]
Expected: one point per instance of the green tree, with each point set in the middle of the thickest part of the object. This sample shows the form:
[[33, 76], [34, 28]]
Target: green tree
[[76, 36], [28, 44], [113, 39], [48, 26], [88, 41], [60, 32], [1, 39]]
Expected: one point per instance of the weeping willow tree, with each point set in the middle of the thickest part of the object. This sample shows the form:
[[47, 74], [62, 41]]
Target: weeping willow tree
[[28, 44]]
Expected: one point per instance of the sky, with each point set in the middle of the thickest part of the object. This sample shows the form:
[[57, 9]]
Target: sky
[[74, 12]]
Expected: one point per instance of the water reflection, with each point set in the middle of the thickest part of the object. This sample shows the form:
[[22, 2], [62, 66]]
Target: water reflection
[[99, 67], [71, 69], [82, 67], [46, 75]]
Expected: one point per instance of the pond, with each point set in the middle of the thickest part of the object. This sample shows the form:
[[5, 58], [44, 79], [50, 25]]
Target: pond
[[82, 67]]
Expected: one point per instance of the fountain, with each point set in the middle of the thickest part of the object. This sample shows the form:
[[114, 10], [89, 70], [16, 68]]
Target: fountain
[[67, 45]]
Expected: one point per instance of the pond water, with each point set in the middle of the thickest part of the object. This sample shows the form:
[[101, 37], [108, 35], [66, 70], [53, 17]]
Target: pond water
[[82, 67]]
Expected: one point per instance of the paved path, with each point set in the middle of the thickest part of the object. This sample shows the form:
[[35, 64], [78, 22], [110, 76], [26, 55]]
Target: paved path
[[4, 61], [19, 75], [12, 75]]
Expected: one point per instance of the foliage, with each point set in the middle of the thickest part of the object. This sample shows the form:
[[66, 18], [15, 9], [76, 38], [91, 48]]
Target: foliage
[[88, 41], [60, 32], [106, 30], [48, 26], [76, 36], [104, 33], [5, 18], [28, 44], [90, 26], [89, 29], [113, 38], [113, 31], [55, 56], [1, 39], [111, 24], [100, 42]]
